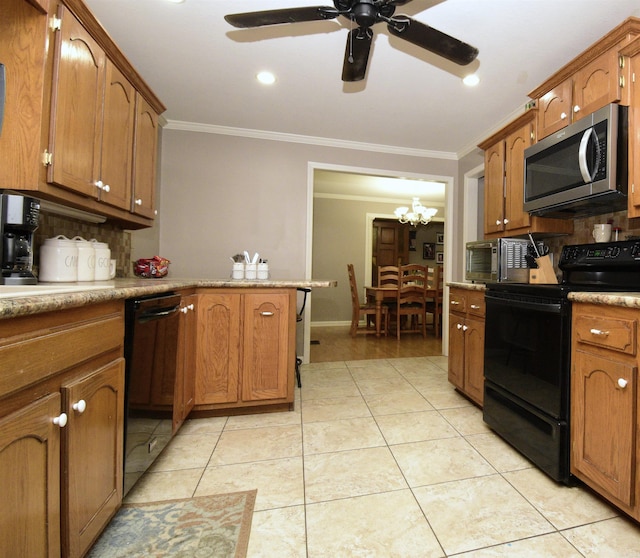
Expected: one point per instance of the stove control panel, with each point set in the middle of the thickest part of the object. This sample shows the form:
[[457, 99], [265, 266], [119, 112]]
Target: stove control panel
[[625, 253]]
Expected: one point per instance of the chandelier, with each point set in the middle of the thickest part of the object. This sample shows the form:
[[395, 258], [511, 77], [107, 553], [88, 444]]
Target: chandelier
[[419, 214]]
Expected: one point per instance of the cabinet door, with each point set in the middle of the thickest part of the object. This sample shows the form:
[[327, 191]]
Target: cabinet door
[[218, 348], [93, 454], [596, 85], [634, 138], [474, 359], [30, 470], [603, 398], [456, 350], [267, 360], [186, 372], [494, 188], [516, 143], [117, 139], [554, 109], [76, 112], [145, 149]]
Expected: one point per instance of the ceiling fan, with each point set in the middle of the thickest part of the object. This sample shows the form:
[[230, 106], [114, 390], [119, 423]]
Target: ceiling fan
[[364, 14]]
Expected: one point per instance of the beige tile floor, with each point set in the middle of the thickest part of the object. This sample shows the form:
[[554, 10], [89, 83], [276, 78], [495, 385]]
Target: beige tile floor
[[383, 458]]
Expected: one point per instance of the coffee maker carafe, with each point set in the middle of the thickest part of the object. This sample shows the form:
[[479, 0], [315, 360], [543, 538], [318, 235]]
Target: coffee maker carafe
[[18, 220]]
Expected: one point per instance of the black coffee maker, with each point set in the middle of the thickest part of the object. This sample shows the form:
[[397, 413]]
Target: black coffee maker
[[18, 220]]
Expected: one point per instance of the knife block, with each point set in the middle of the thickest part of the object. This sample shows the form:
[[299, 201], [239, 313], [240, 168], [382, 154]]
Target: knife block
[[544, 274]]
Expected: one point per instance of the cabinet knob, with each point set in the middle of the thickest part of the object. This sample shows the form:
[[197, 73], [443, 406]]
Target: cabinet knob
[[99, 184], [138, 201], [475, 307], [622, 383], [506, 221], [454, 302], [266, 313], [184, 309], [459, 326], [563, 116], [191, 307], [465, 328], [599, 332], [498, 222], [61, 420], [80, 406], [576, 108], [106, 188]]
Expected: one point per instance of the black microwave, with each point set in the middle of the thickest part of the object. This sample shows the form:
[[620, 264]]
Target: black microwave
[[580, 170]]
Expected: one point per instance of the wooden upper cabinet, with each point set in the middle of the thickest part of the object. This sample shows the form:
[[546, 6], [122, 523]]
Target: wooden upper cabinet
[[632, 54], [117, 139], [76, 113], [145, 151], [515, 144], [554, 109], [494, 188]]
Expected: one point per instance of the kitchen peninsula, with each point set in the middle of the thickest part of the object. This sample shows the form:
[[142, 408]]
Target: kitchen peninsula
[[62, 389]]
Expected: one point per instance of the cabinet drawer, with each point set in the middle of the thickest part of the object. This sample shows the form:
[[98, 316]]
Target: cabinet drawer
[[617, 334], [457, 302], [475, 304], [29, 358]]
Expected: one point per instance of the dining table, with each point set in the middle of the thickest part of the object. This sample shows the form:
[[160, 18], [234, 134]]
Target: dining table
[[380, 294]]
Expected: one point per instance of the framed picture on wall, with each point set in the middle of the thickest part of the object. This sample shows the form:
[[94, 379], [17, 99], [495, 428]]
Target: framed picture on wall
[[439, 238], [428, 251], [440, 257]]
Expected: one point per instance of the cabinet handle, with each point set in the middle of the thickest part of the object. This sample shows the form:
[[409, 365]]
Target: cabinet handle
[[184, 309], [80, 406], [599, 332], [454, 303], [498, 222], [465, 328], [106, 188], [138, 201], [61, 420], [622, 383], [191, 307], [266, 313], [563, 116], [99, 184], [576, 108], [475, 307]]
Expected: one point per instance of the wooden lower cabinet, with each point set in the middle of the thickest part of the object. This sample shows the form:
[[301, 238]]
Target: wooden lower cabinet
[[61, 429], [605, 403], [185, 386], [466, 342], [30, 469], [245, 351]]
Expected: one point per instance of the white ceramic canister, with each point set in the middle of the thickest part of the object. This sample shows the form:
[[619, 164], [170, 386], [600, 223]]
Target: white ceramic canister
[[103, 260], [86, 259], [58, 260]]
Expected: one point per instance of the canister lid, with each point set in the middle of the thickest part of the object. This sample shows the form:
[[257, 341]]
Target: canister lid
[[59, 240]]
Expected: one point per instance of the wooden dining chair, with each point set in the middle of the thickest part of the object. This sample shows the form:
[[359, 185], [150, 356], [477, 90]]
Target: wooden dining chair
[[366, 310], [387, 276], [434, 305], [411, 300]]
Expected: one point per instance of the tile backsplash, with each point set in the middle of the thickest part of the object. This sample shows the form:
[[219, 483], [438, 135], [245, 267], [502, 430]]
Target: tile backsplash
[[119, 240]]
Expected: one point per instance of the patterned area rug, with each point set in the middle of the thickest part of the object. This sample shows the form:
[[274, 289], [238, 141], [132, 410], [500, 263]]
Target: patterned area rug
[[204, 527]]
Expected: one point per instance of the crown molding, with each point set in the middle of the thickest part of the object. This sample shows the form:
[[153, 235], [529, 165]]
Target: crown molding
[[311, 140]]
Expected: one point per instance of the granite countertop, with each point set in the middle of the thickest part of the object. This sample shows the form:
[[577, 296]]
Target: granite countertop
[[626, 300], [467, 286], [58, 296]]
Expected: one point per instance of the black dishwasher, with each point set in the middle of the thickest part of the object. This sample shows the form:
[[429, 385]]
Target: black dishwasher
[[151, 349]]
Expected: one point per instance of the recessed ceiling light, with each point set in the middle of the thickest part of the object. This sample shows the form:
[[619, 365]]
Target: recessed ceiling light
[[471, 80], [177, 1], [266, 77]]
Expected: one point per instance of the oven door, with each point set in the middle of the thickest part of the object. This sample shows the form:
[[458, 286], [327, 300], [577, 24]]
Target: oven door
[[527, 349]]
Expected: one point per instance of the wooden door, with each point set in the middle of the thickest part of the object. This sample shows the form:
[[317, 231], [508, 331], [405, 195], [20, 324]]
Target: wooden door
[[76, 112], [474, 359], [456, 350], [218, 341], [494, 188], [145, 153], [30, 468], [186, 373], [390, 245], [516, 143], [603, 428], [267, 355], [93, 454], [117, 139]]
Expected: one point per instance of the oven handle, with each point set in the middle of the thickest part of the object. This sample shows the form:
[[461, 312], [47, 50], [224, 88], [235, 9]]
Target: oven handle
[[551, 308]]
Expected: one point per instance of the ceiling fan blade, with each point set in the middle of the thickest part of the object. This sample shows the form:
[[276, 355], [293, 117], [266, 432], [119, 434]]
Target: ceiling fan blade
[[356, 54], [287, 15], [433, 40]]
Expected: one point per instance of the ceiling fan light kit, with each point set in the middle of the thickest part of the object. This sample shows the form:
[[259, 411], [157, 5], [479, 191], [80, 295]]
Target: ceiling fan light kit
[[418, 215], [364, 14]]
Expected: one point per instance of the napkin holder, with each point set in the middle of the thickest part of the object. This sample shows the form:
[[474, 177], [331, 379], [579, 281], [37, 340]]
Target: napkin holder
[[544, 274]]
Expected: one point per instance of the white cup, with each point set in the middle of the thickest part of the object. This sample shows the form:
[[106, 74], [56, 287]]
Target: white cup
[[238, 271], [601, 232], [263, 271], [250, 271]]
